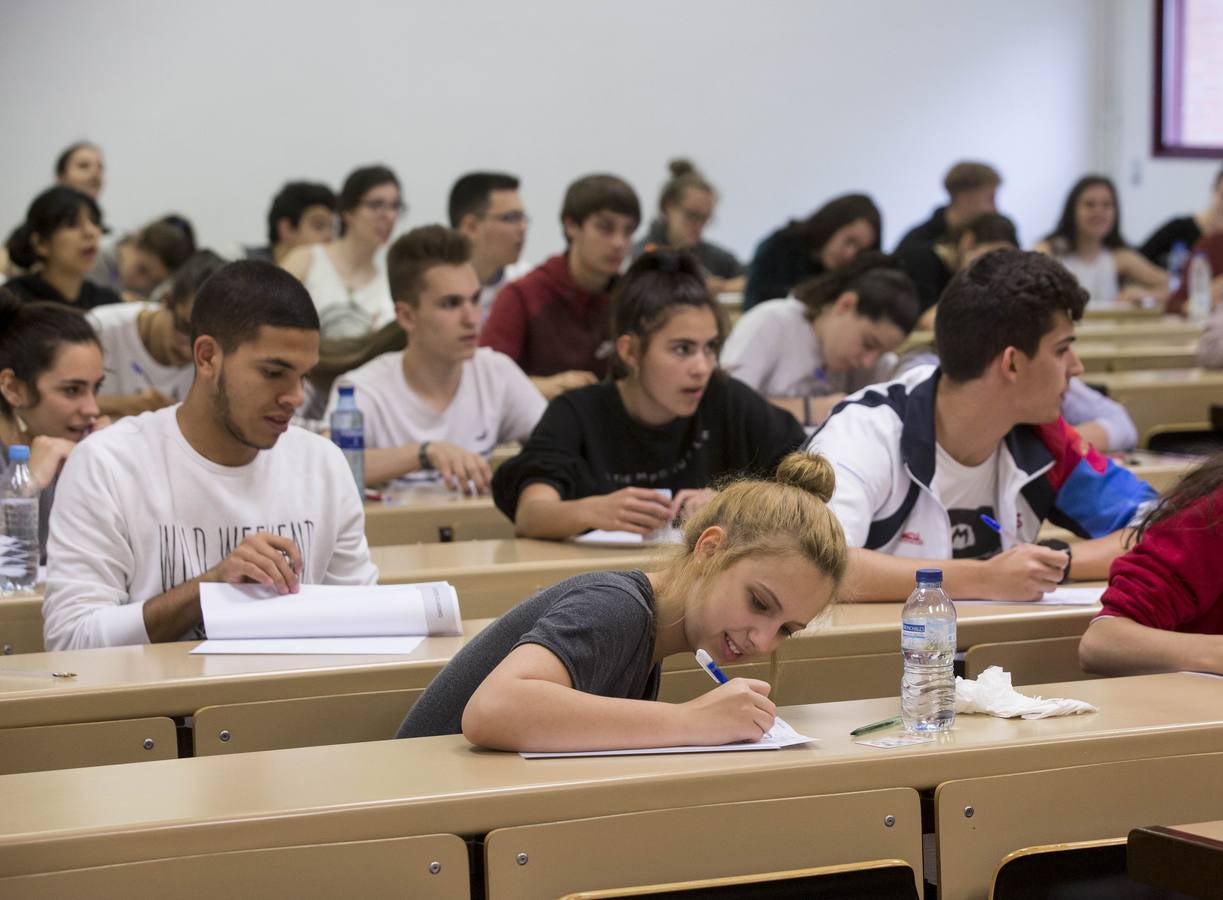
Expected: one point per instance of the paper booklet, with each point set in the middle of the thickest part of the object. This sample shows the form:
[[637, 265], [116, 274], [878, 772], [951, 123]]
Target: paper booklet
[[1062, 596], [780, 735], [391, 618]]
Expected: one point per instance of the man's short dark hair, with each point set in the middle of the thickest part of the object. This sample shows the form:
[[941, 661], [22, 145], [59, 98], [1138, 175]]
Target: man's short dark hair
[[472, 194], [242, 297], [598, 193], [970, 176], [418, 251], [1007, 298], [292, 202]]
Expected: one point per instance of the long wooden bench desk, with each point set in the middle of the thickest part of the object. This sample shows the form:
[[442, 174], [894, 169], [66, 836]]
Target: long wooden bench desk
[[1163, 396], [1104, 356], [435, 516], [1165, 330], [21, 622], [67, 821], [1126, 314]]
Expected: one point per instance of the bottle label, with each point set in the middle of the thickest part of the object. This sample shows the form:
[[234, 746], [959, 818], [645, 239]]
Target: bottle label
[[913, 629], [347, 440], [927, 636]]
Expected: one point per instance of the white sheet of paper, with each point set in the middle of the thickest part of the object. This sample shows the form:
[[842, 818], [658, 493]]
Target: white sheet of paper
[[359, 646], [1063, 596], [780, 735]]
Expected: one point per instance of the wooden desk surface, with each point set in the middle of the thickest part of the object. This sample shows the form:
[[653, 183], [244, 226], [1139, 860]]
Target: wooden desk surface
[[1160, 470], [420, 513], [1168, 329], [74, 817], [1114, 356], [1120, 313], [1163, 396]]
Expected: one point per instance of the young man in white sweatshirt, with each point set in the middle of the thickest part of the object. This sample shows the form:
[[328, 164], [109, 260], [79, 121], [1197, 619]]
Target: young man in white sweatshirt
[[217, 488]]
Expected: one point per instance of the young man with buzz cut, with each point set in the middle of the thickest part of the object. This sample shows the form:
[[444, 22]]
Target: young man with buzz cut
[[442, 404], [923, 460], [302, 213], [554, 321], [217, 488], [486, 208]]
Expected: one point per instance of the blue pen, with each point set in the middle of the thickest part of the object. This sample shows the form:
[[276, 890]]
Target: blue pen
[[997, 527], [140, 372], [706, 662]]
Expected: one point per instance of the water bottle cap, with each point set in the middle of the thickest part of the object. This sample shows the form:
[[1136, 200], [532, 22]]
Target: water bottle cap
[[346, 390], [19, 453], [929, 576]]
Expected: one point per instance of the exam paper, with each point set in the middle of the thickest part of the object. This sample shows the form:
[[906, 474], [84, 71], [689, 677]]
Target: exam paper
[[245, 612], [600, 538], [359, 646], [780, 735], [1063, 596]]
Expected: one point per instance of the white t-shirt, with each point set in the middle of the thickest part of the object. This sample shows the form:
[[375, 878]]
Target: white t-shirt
[[774, 349], [967, 492], [116, 326], [495, 403], [139, 511], [343, 313]]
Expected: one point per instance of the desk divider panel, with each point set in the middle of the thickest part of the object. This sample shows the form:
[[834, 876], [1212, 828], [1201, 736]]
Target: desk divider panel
[[835, 678], [1029, 662], [980, 821], [728, 839], [44, 747], [426, 866]]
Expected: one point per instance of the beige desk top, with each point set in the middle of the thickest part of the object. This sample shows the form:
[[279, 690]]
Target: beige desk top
[[1158, 379], [418, 513], [1119, 355], [56, 820], [1121, 313], [1168, 329], [166, 680]]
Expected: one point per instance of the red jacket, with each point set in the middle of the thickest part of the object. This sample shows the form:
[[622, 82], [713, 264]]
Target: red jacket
[[1173, 578], [547, 324]]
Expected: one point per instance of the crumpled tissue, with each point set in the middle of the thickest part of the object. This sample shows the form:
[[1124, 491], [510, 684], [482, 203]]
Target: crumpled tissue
[[992, 694]]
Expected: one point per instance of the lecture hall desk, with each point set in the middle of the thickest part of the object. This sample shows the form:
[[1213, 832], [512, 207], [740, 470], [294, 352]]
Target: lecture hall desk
[[1166, 330], [1185, 858], [1124, 356], [1164, 396], [57, 821]]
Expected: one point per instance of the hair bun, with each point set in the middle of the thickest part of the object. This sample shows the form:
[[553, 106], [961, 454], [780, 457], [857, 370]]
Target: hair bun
[[809, 472], [680, 167]]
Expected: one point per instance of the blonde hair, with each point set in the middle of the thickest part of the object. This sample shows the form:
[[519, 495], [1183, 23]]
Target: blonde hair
[[788, 514]]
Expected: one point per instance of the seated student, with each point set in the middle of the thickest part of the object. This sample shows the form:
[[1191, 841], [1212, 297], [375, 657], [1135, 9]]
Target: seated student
[[955, 250], [553, 320], [345, 280], [1163, 609], [442, 404], [57, 245], [1105, 423], [666, 419], [920, 459], [140, 264], [685, 208], [1087, 241], [1210, 346], [1187, 230], [485, 206], [302, 215], [568, 669], [147, 346], [80, 166], [1211, 247], [218, 488], [972, 190], [834, 335], [50, 369], [828, 239]]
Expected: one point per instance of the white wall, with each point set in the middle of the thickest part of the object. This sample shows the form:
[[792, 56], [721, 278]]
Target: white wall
[[1152, 190], [207, 108]]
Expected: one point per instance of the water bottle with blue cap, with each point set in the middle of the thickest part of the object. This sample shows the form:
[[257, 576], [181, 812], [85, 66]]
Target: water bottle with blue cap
[[928, 642]]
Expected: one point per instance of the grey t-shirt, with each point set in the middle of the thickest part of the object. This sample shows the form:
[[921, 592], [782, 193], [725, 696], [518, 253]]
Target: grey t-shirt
[[599, 625]]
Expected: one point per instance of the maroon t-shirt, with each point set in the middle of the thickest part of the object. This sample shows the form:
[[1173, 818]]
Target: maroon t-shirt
[[547, 324]]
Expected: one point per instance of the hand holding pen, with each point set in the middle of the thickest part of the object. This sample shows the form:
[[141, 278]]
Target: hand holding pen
[[1023, 571], [739, 709]]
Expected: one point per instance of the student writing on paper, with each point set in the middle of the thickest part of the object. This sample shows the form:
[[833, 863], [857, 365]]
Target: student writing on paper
[[573, 667], [442, 403], [1163, 609], [921, 458], [666, 419], [218, 488]]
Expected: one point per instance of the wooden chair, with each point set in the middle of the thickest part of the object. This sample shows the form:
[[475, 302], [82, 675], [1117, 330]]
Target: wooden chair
[[1080, 869], [980, 821], [1029, 662], [301, 722], [432, 865], [672, 846], [44, 747]]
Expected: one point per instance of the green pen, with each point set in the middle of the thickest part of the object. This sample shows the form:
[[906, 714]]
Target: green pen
[[875, 726]]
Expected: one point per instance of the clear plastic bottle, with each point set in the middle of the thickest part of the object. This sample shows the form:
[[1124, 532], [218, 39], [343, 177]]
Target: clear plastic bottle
[[19, 545], [1177, 257], [927, 640], [1199, 287], [348, 433]]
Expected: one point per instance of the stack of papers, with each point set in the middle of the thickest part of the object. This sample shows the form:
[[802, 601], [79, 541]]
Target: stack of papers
[[358, 619], [780, 735]]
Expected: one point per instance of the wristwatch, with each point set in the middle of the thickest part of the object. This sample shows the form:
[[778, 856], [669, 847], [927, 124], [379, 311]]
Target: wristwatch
[[423, 456], [1055, 544]]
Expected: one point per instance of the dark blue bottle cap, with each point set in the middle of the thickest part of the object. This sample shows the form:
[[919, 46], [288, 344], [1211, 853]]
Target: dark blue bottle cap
[[929, 576], [346, 390]]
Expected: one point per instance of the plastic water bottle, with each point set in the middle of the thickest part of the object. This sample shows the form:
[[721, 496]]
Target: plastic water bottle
[[348, 433], [1177, 257], [19, 547], [927, 640], [1199, 287]]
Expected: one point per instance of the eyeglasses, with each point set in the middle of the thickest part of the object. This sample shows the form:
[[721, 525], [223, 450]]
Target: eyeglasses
[[378, 207], [513, 217], [696, 218]]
